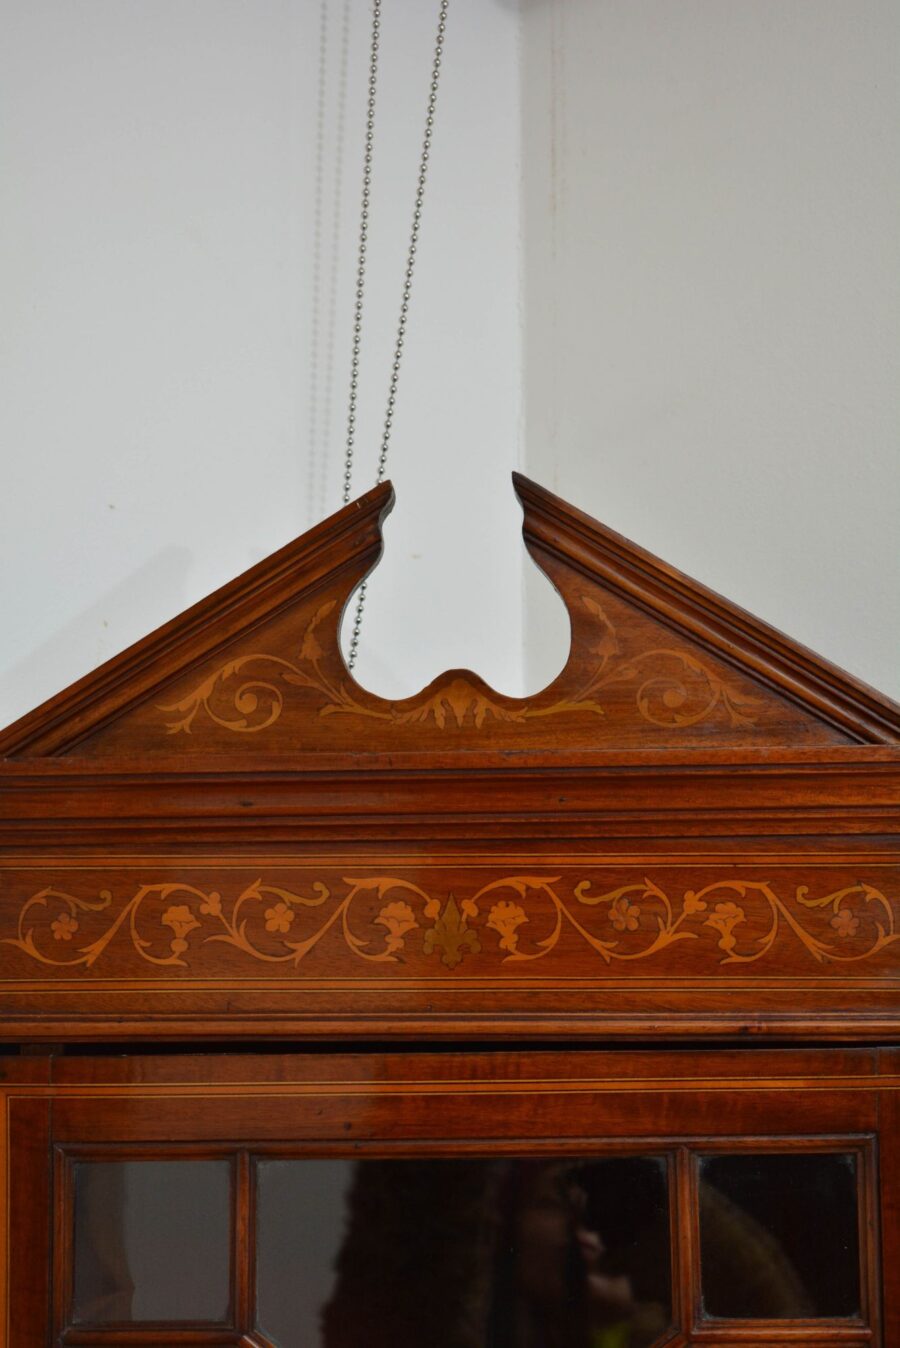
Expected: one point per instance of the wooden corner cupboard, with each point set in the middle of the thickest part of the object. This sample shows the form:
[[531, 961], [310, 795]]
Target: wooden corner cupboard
[[459, 1021]]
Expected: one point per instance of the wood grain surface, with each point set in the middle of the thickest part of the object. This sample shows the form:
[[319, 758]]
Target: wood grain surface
[[374, 1105], [693, 830]]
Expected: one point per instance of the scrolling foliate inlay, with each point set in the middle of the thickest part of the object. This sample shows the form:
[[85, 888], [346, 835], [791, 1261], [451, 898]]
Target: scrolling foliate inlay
[[673, 689], [736, 922]]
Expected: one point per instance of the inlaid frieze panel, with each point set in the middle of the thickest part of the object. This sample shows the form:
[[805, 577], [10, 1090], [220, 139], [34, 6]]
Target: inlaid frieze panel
[[396, 931], [435, 920], [693, 829]]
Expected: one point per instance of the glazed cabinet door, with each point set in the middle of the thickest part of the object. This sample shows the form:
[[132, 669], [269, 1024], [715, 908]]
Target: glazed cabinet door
[[457, 1201]]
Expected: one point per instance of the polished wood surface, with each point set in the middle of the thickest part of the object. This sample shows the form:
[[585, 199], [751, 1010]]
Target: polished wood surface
[[454, 946], [657, 661], [693, 830], [373, 1105], [690, 836]]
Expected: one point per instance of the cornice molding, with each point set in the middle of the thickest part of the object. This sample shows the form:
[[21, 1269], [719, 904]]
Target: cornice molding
[[706, 618], [344, 547]]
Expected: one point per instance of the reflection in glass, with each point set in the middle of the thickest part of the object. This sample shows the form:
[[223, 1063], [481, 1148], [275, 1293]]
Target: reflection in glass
[[505, 1253], [779, 1235], [152, 1241]]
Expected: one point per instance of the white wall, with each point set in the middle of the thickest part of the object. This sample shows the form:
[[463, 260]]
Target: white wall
[[706, 193], [712, 296], [158, 161]]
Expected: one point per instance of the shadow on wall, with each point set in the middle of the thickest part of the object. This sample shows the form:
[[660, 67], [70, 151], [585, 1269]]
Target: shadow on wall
[[104, 629]]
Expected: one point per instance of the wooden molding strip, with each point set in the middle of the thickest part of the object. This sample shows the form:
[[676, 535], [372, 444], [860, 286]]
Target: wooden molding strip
[[723, 628]]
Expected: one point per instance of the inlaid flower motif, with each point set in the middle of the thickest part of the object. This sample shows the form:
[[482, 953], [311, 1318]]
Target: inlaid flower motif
[[180, 918], [64, 927], [624, 915], [398, 918], [451, 928], [726, 917], [504, 917], [240, 697], [845, 922], [279, 918]]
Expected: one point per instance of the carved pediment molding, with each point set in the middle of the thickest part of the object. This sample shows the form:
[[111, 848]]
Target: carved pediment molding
[[556, 530], [341, 550], [657, 662]]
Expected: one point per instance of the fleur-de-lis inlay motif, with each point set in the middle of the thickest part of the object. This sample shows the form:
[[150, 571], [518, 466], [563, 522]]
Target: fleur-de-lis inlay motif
[[451, 934]]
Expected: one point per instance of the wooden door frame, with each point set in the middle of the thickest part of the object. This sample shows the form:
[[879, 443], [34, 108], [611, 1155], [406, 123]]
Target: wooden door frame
[[384, 1104]]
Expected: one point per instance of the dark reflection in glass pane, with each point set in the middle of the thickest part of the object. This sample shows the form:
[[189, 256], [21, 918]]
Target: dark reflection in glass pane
[[152, 1241], [779, 1235], [478, 1253]]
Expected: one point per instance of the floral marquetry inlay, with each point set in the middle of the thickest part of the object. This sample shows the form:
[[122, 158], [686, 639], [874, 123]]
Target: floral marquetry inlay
[[672, 688], [691, 832], [512, 921]]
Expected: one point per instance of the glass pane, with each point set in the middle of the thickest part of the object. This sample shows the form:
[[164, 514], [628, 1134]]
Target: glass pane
[[479, 1253], [152, 1241], [779, 1235]]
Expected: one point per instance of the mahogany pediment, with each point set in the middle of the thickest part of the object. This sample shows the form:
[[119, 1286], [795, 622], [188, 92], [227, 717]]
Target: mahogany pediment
[[693, 830], [657, 662]]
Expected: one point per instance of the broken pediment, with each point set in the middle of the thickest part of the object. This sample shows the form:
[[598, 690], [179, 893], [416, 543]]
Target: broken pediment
[[657, 662], [221, 834]]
